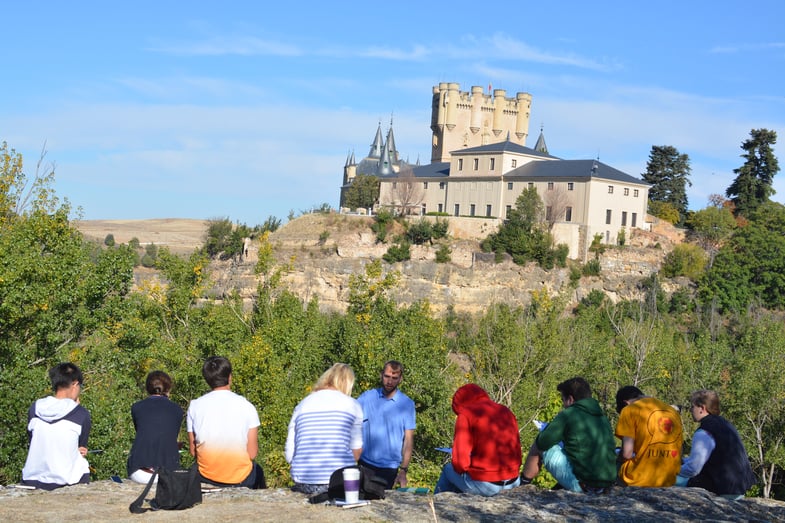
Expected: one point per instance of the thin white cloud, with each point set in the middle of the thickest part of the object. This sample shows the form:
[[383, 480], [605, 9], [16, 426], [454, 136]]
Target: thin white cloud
[[743, 48], [219, 46]]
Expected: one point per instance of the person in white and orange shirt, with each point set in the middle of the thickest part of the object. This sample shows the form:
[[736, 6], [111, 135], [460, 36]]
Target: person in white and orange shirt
[[223, 431]]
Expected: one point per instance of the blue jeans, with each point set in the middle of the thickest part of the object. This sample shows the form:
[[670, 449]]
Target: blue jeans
[[451, 481], [555, 461]]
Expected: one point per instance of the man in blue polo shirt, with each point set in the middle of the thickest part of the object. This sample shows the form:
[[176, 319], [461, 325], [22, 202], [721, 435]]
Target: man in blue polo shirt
[[388, 427]]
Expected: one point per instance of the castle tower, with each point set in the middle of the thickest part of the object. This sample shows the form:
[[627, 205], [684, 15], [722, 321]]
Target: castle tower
[[470, 119]]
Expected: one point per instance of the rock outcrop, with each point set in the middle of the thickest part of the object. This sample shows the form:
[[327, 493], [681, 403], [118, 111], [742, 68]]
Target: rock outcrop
[[108, 501]]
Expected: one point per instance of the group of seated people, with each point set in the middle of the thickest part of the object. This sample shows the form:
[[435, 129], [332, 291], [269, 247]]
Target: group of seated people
[[330, 430], [578, 446]]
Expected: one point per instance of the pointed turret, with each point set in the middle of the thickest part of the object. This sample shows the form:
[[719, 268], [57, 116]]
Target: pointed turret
[[376, 146], [391, 145], [540, 146], [385, 161]]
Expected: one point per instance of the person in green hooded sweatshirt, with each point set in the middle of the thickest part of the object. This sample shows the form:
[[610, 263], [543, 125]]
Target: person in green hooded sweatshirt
[[577, 447]]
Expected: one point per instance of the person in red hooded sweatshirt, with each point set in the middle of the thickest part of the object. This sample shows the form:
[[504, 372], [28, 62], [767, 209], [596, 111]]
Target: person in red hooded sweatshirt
[[486, 449]]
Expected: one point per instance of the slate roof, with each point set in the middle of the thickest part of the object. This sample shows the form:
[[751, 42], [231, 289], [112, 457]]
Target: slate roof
[[573, 169], [501, 147]]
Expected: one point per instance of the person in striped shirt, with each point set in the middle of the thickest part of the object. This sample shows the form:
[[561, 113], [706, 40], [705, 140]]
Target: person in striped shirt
[[325, 432]]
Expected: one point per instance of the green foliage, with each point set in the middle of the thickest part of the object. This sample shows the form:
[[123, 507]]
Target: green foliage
[[711, 226], [271, 224], [668, 172], [109, 240], [664, 211], [397, 252], [750, 265], [591, 268], [420, 232], [382, 223], [133, 243], [685, 259], [621, 237], [224, 239], [439, 229], [753, 183], [443, 254], [524, 235], [363, 192], [597, 247]]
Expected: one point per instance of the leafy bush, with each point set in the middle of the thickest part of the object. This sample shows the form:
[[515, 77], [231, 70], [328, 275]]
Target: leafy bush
[[443, 254], [381, 225], [109, 240], [685, 259], [420, 232], [398, 252], [591, 268]]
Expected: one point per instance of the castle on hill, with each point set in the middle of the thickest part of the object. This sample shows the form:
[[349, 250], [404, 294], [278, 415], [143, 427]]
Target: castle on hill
[[480, 165]]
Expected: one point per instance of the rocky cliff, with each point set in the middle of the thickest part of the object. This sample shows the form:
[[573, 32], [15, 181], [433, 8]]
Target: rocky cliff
[[325, 250]]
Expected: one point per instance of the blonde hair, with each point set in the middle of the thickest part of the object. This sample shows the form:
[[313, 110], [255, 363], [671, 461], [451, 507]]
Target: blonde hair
[[340, 376]]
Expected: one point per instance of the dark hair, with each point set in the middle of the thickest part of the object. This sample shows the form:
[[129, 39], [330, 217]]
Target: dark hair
[[578, 388], [708, 399], [158, 382], [63, 375], [395, 366], [626, 393], [216, 371]]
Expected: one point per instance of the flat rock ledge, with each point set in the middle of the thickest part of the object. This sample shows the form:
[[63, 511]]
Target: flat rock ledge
[[108, 501]]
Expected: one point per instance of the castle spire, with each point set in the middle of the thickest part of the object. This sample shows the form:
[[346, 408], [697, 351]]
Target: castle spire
[[540, 146], [391, 145], [376, 146]]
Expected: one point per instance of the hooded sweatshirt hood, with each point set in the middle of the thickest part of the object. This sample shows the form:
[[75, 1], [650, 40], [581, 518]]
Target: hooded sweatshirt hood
[[51, 409], [466, 395], [589, 406]]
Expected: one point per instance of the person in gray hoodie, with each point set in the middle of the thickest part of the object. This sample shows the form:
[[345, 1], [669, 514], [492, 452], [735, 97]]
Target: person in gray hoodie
[[58, 428]]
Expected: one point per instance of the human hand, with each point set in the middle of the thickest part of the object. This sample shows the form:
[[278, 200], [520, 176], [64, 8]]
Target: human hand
[[401, 478], [83, 451]]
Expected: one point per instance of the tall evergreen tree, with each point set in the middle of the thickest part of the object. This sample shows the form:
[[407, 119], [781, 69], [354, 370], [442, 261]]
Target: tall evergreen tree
[[668, 172], [752, 185]]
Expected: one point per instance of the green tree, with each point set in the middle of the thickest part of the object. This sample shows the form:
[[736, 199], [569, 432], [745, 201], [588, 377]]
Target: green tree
[[685, 259], [363, 192], [711, 226], [750, 265], [668, 172], [753, 184]]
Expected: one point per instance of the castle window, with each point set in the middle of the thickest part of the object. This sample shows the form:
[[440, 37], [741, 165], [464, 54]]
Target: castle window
[[509, 186], [635, 193], [471, 210], [493, 164], [623, 218], [442, 185], [610, 189], [440, 207], [395, 185], [460, 164], [476, 164], [568, 214], [531, 185], [548, 213], [488, 211], [507, 211], [634, 222], [550, 186], [457, 209], [424, 185], [570, 186], [626, 191], [514, 164], [607, 216]]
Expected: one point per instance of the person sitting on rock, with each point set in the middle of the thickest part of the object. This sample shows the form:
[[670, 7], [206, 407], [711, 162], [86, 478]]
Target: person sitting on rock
[[718, 460], [58, 428], [651, 439], [587, 460], [486, 450]]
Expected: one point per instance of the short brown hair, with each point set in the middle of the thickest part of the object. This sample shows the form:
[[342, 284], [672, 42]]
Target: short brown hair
[[708, 399], [158, 382]]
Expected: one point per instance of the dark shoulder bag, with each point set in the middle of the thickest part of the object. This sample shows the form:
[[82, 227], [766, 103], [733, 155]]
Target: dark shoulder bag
[[176, 490], [371, 486]]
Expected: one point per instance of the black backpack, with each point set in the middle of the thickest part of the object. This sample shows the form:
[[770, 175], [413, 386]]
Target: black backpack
[[176, 490]]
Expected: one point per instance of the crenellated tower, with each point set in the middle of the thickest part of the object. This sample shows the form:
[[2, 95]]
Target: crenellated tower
[[462, 119]]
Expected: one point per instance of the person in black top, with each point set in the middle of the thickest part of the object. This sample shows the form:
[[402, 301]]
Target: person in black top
[[157, 420], [718, 461]]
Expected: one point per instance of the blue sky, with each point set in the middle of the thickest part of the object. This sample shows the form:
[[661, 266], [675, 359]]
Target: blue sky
[[245, 109]]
